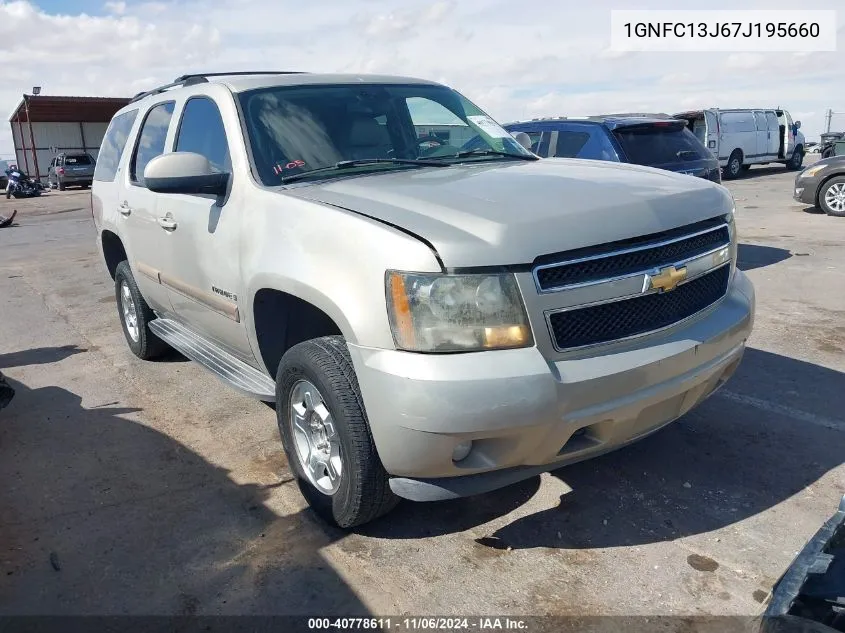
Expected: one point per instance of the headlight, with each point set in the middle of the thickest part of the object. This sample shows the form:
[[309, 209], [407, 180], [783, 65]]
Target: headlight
[[456, 313], [811, 171]]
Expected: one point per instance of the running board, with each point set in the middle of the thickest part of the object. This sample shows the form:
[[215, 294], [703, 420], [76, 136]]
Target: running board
[[229, 369]]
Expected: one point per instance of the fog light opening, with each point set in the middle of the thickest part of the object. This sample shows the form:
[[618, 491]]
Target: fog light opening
[[461, 451]]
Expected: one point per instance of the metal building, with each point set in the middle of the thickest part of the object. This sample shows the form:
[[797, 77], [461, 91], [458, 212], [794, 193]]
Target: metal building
[[44, 125]]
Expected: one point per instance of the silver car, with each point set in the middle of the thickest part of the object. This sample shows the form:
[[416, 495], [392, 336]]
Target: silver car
[[430, 322]]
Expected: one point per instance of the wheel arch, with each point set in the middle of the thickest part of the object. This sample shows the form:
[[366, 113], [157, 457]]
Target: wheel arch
[[114, 251], [284, 318], [822, 185]]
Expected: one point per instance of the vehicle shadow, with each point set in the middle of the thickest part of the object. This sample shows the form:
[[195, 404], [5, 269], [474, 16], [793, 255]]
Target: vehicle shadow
[[758, 171], [104, 515], [740, 453], [39, 356], [751, 256]]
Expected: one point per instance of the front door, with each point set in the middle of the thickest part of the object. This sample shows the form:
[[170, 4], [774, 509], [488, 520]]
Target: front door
[[149, 243], [205, 284]]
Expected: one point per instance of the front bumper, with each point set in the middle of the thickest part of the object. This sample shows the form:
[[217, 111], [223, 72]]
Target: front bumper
[[804, 190], [525, 414]]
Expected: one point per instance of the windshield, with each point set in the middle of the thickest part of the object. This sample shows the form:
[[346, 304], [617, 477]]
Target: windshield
[[660, 145], [298, 129]]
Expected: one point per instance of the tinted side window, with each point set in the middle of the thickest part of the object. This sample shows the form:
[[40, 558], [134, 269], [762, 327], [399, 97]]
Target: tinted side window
[[151, 139], [114, 142], [570, 143], [201, 131]]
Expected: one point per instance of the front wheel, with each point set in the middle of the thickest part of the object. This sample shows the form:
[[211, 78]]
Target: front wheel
[[326, 435], [795, 160], [832, 197]]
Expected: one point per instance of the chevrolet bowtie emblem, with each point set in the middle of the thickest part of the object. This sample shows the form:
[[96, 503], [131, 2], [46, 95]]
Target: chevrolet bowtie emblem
[[665, 280]]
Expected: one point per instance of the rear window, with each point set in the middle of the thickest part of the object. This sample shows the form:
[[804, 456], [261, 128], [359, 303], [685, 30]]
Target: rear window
[[82, 159], [658, 145]]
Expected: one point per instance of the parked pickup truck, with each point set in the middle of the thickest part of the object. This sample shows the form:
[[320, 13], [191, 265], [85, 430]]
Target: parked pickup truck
[[430, 323]]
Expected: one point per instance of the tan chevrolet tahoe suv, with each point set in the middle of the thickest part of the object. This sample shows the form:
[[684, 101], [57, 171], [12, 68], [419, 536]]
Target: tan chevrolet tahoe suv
[[430, 321]]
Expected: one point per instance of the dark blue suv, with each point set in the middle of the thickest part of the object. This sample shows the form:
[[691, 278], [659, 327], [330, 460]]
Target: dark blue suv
[[655, 142]]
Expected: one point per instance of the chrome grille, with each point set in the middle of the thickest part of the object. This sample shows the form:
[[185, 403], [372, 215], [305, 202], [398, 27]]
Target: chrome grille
[[627, 289], [623, 319], [551, 277]]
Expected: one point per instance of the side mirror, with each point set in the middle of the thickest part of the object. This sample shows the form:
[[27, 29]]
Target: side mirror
[[184, 172], [798, 124]]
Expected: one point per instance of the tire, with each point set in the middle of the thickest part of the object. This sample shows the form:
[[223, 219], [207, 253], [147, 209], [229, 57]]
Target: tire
[[827, 153], [829, 188], [143, 343], [362, 491], [746, 168], [734, 166], [796, 160]]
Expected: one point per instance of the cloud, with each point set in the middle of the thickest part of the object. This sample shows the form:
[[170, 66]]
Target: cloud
[[536, 58], [117, 8]]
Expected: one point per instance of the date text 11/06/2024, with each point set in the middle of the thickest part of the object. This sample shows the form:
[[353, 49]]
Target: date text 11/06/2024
[[418, 624]]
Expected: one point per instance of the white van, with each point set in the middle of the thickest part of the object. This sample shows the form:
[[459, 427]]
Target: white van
[[743, 137]]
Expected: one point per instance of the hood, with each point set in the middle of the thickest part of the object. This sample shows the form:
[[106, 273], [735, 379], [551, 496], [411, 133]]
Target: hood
[[832, 161], [509, 213]]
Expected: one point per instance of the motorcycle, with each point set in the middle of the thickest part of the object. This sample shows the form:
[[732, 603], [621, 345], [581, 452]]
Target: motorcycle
[[23, 186]]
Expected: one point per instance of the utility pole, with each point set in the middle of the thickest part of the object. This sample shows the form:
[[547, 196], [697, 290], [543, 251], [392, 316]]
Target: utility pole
[[828, 117]]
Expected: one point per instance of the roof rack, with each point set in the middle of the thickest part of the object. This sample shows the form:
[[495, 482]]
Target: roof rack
[[201, 78]]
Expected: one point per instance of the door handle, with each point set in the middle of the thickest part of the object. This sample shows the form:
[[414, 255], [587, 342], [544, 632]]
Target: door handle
[[167, 223], [124, 209]]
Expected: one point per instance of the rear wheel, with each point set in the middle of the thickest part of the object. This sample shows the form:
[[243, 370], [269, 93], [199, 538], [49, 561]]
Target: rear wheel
[[832, 197], [326, 435], [135, 315], [827, 153], [734, 166]]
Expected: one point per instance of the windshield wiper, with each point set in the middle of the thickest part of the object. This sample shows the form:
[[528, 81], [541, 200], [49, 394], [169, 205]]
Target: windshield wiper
[[346, 164], [491, 152]]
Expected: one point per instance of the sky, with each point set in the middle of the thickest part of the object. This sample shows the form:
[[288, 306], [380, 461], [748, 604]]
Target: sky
[[516, 60]]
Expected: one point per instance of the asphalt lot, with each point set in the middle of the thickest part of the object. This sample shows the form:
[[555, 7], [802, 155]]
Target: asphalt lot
[[148, 488]]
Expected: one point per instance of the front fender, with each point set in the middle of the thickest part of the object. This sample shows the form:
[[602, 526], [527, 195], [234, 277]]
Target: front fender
[[330, 257]]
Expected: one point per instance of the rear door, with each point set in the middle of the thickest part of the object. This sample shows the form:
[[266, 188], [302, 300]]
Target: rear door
[[106, 191], [763, 133], [148, 243], [773, 128]]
